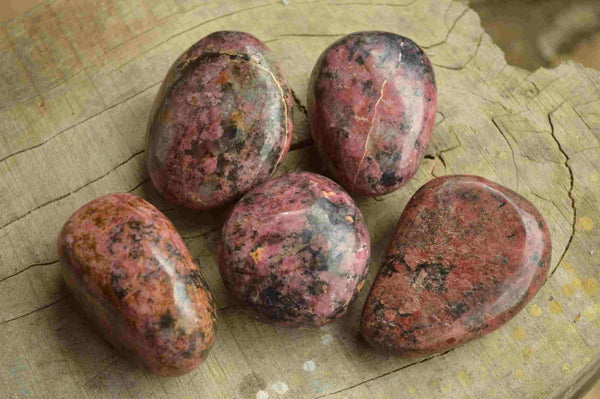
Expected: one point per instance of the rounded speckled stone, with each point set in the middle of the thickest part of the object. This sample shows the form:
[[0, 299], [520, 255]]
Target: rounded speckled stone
[[221, 122], [134, 277], [467, 255], [295, 250], [372, 103]]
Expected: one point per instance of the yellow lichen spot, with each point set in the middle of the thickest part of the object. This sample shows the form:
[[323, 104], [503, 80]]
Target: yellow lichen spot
[[568, 266], [349, 218], [520, 373], [590, 285], [576, 283], [257, 254], [520, 333], [411, 390], [585, 223], [589, 313], [464, 378], [535, 310], [446, 385], [566, 368], [556, 307], [528, 352], [568, 290]]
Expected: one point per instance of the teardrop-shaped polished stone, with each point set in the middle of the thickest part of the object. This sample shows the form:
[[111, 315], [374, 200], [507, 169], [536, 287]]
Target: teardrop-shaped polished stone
[[372, 102], [134, 277], [467, 255]]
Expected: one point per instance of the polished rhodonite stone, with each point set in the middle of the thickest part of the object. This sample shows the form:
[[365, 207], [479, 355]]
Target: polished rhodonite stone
[[221, 122], [372, 102], [134, 277], [295, 250], [467, 255]]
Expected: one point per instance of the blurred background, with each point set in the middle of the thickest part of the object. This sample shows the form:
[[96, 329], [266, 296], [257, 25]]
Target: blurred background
[[532, 34]]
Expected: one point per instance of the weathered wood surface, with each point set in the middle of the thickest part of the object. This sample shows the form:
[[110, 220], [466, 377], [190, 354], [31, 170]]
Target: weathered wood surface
[[77, 82]]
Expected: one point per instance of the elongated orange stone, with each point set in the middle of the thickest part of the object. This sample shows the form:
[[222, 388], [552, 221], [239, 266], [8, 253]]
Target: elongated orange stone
[[134, 277]]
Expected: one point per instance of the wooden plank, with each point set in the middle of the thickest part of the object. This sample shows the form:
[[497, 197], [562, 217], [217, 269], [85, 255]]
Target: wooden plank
[[77, 84]]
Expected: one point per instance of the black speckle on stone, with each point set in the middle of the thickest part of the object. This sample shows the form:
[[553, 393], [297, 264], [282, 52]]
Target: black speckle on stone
[[469, 195], [540, 224], [318, 287], [368, 88], [167, 321], [388, 179], [115, 282], [432, 276], [457, 309]]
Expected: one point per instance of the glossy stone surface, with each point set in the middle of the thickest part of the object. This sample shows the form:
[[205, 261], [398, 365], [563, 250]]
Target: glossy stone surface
[[467, 255], [134, 277], [221, 122], [372, 105], [295, 250]]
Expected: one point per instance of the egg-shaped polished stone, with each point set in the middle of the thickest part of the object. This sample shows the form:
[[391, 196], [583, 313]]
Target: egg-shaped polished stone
[[221, 122], [134, 277], [372, 104], [295, 250], [466, 257]]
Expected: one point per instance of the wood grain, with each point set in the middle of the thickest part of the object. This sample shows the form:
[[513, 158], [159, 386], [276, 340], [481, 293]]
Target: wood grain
[[77, 82]]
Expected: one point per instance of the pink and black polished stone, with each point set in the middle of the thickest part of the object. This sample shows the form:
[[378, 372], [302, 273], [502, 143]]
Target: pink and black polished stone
[[372, 105], [221, 122], [467, 255], [134, 277], [295, 250]]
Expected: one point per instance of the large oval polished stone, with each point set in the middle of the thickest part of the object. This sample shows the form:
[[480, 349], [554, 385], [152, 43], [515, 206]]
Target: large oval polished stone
[[221, 122], [467, 255], [372, 105], [134, 277], [295, 250]]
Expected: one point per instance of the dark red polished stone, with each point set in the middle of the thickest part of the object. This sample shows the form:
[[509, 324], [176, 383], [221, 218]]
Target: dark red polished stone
[[372, 102], [467, 255], [295, 250], [134, 277], [221, 122]]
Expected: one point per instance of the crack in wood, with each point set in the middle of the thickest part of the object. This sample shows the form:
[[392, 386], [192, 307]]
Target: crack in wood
[[73, 191], [548, 201], [34, 311], [299, 103], [410, 3], [47, 263], [458, 68], [192, 28], [570, 191], [102, 370], [74, 125], [454, 23], [139, 185], [387, 373], [512, 152], [541, 160]]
